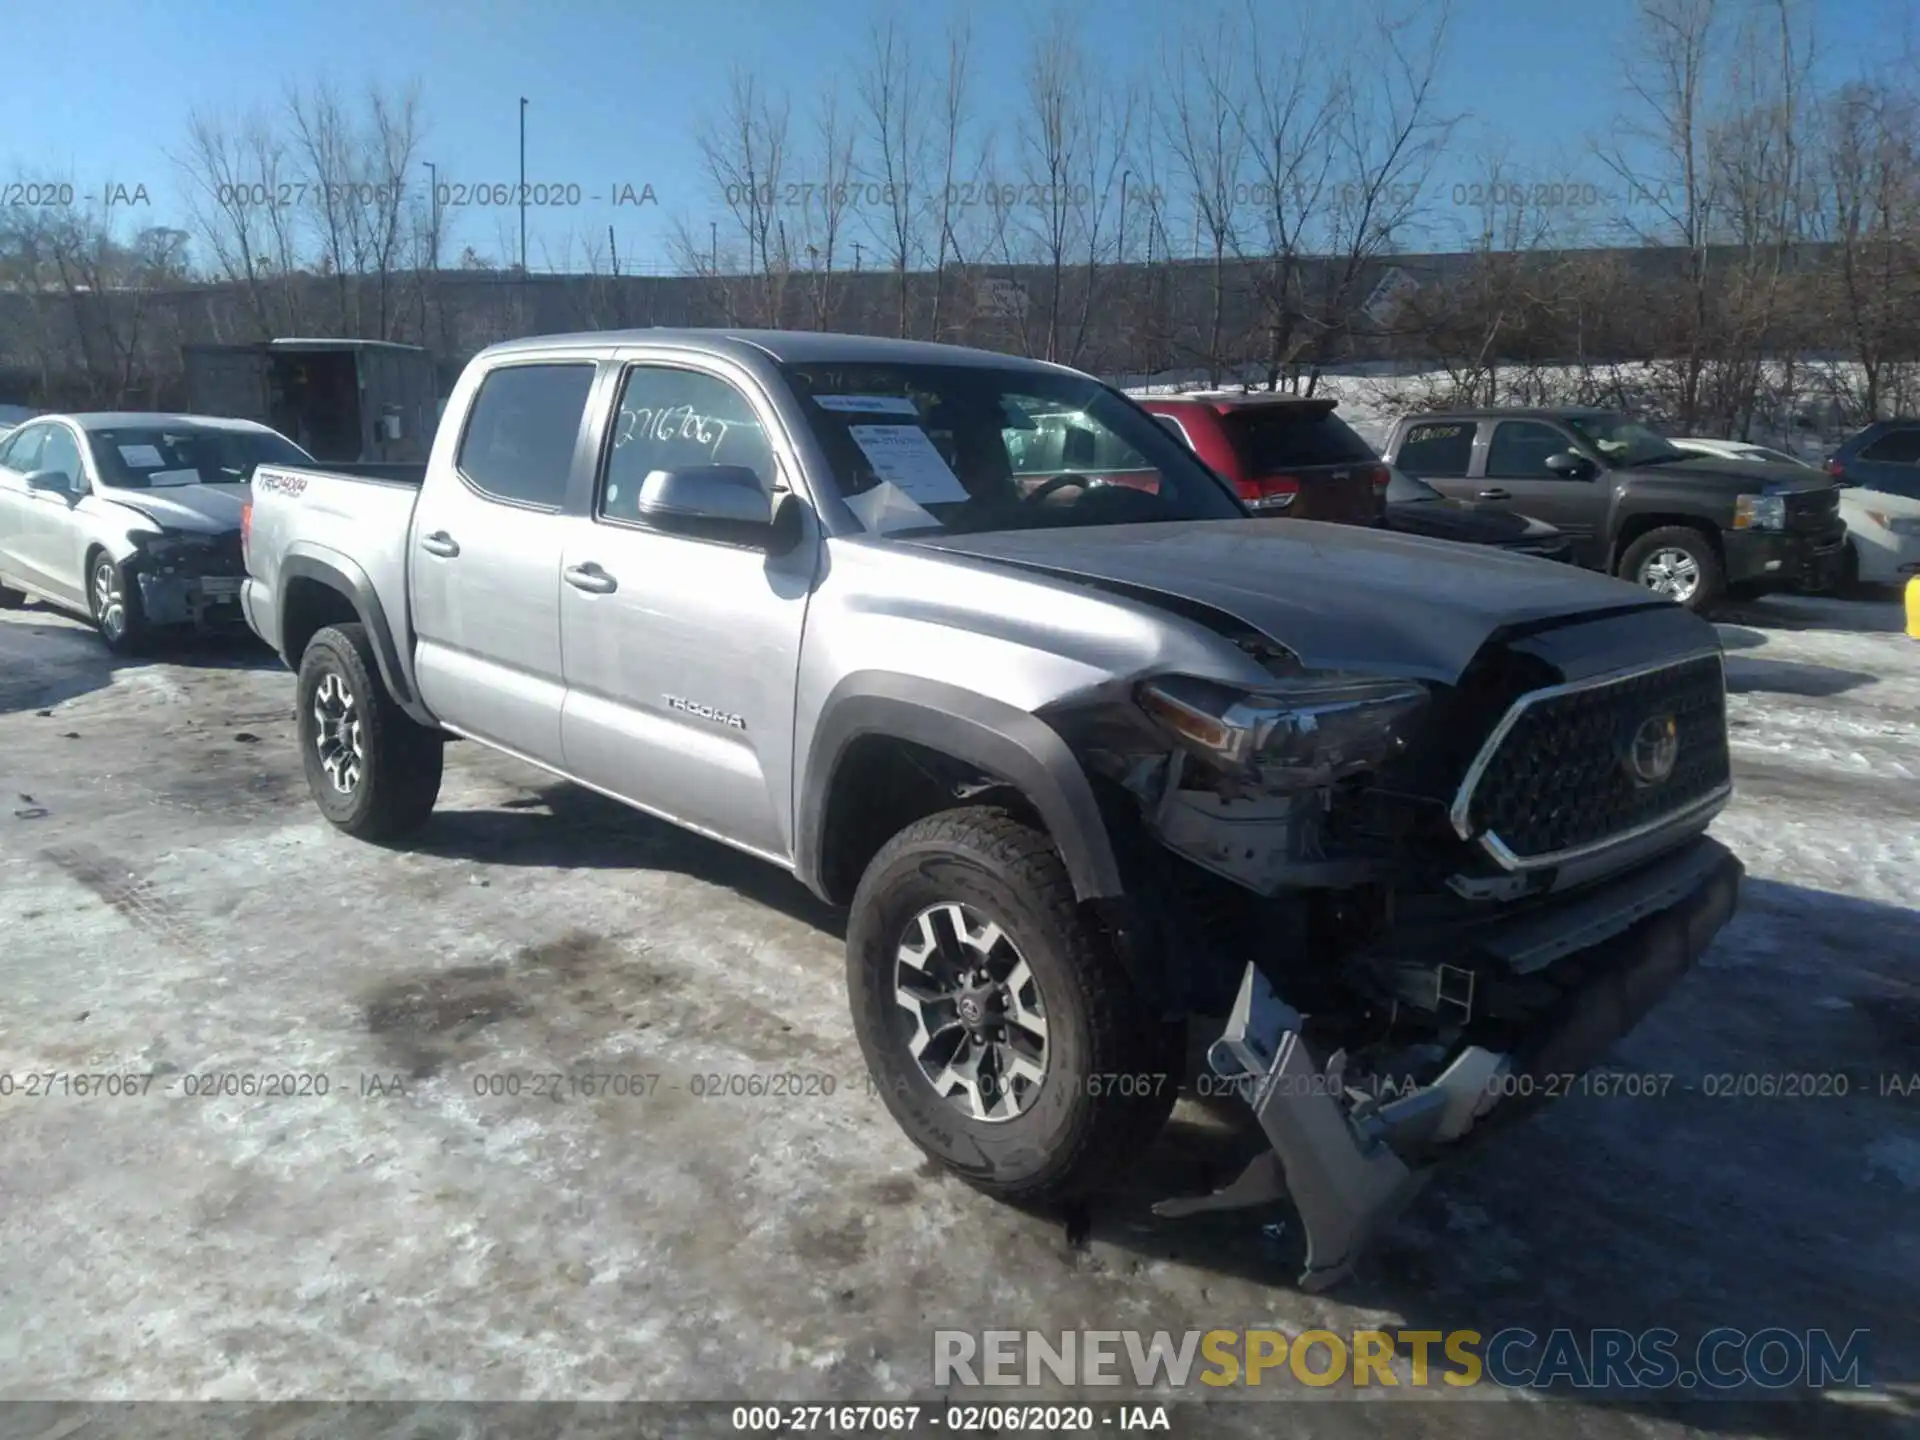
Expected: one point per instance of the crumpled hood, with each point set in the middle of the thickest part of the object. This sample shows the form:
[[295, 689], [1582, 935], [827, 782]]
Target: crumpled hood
[[192, 509], [1341, 597]]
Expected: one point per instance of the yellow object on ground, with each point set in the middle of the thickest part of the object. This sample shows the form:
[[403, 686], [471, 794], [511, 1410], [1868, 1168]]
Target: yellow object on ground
[[1913, 607]]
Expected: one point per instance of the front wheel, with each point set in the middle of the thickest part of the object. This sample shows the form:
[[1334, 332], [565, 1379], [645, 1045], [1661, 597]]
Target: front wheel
[[1001, 1030], [113, 598], [1679, 563], [372, 769]]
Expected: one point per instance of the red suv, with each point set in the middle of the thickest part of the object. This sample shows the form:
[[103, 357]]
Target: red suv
[[1285, 455]]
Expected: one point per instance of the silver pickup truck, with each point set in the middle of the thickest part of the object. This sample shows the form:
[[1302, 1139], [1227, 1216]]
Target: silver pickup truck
[[1090, 755]]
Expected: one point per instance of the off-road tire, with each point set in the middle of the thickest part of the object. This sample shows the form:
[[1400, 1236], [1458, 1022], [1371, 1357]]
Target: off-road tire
[[1113, 1064], [400, 759], [1712, 586], [131, 636]]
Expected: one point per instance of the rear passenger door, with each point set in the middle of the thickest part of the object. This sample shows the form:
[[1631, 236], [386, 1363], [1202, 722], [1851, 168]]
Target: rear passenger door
[[682, 647], [1516, 478], [485, 561]]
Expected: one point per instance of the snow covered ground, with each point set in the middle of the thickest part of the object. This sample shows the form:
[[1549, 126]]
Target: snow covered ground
[[171, 905]]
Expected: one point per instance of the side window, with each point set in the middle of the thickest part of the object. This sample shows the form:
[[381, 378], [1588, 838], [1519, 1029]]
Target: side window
[[1520, 449], [62, 454], [675, 420], [1900, 447], [22, 450], [1443, 449], [521, 433]]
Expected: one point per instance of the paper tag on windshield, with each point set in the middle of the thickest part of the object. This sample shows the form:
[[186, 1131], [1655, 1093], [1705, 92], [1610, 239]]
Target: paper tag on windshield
[[141, 457], [903, 455], [174, 477], [869, 405], [884, 509]]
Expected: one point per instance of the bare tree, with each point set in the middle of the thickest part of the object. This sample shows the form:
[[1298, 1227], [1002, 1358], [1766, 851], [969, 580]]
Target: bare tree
[[240, 192], [745, 154], [826, 208], [895, 149], [953, 117], [1202, 124]]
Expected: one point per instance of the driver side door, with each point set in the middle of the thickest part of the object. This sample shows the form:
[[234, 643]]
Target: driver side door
[[1515, 477], [52, 541], [21, 510]]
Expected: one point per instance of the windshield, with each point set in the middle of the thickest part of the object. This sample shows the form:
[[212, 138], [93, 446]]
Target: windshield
[[1621, 441], [1402, 488], [969, 448], [151, 458]]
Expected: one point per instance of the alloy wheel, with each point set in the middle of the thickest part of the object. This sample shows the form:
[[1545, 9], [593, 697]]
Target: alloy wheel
[[979, 1021], [1671, 572], [336, 736], [109, 602]]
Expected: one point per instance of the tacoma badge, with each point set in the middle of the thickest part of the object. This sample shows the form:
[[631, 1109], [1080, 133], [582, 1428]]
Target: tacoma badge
[[705, 712]]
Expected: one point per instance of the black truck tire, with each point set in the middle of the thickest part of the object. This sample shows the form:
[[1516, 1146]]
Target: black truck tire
[[1110, 1065], [1710, 585], [373, 770]]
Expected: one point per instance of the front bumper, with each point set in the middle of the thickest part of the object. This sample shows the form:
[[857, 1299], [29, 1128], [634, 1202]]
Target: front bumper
[[209, 603], [1808, 562], [1350, 1163]]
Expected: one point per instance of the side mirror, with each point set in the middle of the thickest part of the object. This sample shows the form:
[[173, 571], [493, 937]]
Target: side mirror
[[1569, 466], [51, 482], [727, 502]]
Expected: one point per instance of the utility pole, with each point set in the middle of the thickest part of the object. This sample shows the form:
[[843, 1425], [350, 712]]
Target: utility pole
[[1125, 176], [856, 255], [713, 243], [523, 185]]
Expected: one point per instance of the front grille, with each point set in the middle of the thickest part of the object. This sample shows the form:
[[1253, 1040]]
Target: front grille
[[1813, 511], [1562, 779]]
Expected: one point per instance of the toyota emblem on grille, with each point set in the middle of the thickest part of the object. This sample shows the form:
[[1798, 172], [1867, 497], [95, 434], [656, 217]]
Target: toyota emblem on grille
[[1652, 751]]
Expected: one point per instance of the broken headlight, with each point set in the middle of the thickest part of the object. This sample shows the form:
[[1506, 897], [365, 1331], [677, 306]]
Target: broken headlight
[[1308, 731]]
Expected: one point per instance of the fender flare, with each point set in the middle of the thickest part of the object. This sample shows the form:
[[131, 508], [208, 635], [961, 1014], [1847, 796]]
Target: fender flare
[[339, 573], [1007, 742]]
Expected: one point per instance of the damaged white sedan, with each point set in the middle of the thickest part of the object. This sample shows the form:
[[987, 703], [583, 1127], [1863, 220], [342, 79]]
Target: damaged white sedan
[[131, 519]]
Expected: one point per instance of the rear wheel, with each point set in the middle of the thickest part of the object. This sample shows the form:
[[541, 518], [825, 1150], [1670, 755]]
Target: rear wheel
[[1678, 562], [372, 769], [999, 1027]]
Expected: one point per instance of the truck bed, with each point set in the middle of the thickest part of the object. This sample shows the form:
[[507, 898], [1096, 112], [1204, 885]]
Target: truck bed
[[350, 523]]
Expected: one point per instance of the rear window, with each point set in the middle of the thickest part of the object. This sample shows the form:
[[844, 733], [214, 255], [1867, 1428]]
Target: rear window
[[1286, 437], [155, 457], [1899, 447]]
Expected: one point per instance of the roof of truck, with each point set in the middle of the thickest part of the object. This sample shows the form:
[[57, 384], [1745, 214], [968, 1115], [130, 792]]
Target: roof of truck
[[1500, 412], [797, 347]]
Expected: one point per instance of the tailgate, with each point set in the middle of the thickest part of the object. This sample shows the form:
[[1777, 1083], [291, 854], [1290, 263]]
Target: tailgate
[[1299, 459]]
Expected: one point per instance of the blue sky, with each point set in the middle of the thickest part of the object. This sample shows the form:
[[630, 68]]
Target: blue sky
[[618, 90]]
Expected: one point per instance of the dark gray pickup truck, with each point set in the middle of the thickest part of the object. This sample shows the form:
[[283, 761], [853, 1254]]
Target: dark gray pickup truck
[[1411, 831], [1693, 528]]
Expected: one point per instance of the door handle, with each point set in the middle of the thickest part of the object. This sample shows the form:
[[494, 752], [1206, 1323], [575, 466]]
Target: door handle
[[591, 578], [439, 543], [1496, 494]]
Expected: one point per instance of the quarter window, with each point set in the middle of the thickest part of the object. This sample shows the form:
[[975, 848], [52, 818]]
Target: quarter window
[[521, 433], [1442, 449], [1900, 447]]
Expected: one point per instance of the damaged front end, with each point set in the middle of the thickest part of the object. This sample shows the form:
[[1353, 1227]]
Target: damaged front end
[[1425, 909], [189, 579]]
